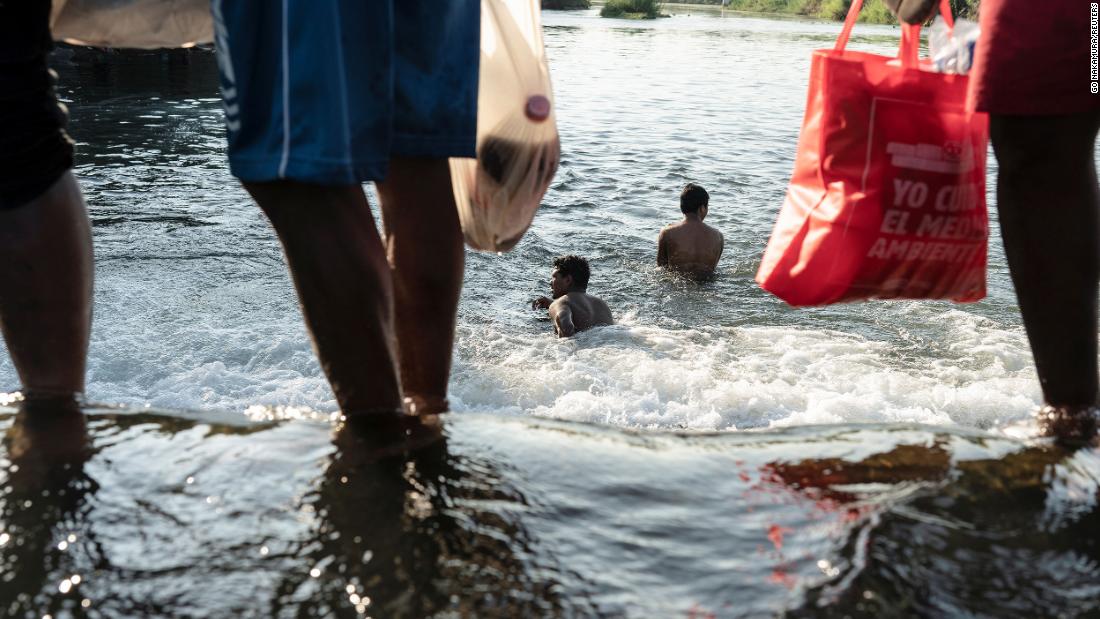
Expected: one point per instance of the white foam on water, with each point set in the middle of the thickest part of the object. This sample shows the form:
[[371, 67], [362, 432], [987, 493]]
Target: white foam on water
[[638, 375], [634, 374], [266, 368]]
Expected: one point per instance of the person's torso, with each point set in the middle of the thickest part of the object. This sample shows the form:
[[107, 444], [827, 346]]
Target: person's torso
[[694, 248], [588, 311]]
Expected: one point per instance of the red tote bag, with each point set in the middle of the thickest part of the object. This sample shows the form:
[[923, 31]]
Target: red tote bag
[[887, 198]]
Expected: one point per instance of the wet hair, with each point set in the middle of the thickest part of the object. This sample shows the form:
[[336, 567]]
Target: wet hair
[[692, 198], [576, 267]]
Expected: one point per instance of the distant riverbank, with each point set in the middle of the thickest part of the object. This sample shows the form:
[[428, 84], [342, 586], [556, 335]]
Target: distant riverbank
[[566, 5], [874, 11]]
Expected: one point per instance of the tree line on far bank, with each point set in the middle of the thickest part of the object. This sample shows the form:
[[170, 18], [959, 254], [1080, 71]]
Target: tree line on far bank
[[634, 9], [566, 5], [874, 11]]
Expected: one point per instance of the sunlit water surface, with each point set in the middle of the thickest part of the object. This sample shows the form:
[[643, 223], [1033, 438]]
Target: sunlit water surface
[[214, 513]]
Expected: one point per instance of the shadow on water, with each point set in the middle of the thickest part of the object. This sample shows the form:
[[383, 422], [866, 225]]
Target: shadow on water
[[400, 537], [995, 538], [42, 514], [196, 515], [404, 538]]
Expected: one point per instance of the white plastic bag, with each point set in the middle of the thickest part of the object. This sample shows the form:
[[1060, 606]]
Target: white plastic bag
[[518, 149], [145, 24], [952, 49]]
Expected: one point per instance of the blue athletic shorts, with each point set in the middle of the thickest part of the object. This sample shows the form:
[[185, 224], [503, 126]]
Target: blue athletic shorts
[[327, 91]]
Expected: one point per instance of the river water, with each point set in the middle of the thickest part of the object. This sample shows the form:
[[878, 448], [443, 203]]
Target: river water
[[848, 460]]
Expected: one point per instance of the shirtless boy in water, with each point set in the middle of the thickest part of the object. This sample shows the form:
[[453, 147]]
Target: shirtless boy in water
[[691, 246], [572, 309]]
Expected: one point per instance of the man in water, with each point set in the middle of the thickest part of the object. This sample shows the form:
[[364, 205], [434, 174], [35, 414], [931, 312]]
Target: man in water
[[572, 309], [691, 246], [45, 237], [1032, 75], [321, 98]]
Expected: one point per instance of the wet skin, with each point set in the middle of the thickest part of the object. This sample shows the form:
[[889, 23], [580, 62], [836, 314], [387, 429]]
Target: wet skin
[[380, 308], [572, 310], [690, 246], [46, 289]]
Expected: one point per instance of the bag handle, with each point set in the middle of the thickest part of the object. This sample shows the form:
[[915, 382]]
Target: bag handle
[[909, 49]]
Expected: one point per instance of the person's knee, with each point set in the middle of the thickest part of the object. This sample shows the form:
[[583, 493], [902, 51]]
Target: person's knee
[[1041, 146], [1016, 144]]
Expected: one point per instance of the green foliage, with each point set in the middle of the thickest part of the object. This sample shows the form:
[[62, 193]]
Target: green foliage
[[828, 9], [833, 9], [565, 5], [794, 7], [874, 11], [637, 9], [965, 8]]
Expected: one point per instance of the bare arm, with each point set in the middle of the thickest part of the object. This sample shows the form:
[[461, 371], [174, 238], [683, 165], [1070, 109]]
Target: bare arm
[[562, 315], [662, 250]]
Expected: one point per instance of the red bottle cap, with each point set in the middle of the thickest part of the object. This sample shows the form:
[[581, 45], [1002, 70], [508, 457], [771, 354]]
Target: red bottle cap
[[538, 108]]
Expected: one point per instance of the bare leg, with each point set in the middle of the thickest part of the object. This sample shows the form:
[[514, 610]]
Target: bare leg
[[424, 247], [339, 269], [1049, 208], [46, 289]]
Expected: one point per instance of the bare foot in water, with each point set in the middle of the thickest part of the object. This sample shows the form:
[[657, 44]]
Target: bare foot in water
[[1071, 426], [48, 435], [377, 435]]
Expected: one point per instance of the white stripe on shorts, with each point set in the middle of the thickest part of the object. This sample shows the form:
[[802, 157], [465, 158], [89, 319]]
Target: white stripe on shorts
[[225, 63], [286, 92]]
